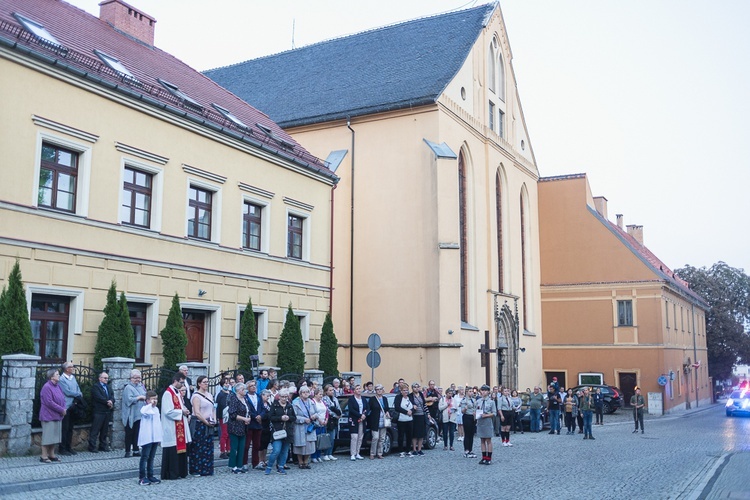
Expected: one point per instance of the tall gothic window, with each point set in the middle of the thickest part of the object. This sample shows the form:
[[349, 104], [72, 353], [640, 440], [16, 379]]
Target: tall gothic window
[[499, 219], [523, 264], [462, 221]]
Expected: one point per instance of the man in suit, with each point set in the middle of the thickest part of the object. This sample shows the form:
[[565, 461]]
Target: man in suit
[[104, 401]]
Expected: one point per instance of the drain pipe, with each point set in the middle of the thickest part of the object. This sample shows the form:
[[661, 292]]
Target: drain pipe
[[330, 277], [351, 257]]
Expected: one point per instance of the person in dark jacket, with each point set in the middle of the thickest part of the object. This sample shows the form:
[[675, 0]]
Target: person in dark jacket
[[104, 401], [377, 421], [599, 406], [254, 428], [239, 417], [282, 418], [404, 409], [358, 411]]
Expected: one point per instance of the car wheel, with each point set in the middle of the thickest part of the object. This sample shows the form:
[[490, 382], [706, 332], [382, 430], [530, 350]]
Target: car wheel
[[431, 439], [607, 408], [387, 443]]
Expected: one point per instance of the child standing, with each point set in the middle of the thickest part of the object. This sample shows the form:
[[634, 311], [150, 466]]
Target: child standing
[[149, 437]]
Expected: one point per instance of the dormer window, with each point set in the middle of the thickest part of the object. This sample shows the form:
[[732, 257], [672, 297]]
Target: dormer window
[[175, 91], [270, 133], [229, 116], [116, 66], [40, 32], [264, 129]]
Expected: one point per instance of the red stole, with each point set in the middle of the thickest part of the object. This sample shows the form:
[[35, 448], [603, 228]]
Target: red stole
[[179, 425]]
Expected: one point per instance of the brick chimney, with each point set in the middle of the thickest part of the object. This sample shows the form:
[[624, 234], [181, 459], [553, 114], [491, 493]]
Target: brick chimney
[[636, 232], [619, 221], [128, 19], [600, 202]]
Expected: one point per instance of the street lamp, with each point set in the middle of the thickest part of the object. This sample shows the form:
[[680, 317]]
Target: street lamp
[[502, 345]]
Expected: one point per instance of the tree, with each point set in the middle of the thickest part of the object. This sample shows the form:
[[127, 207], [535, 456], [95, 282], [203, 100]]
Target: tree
[[249, 342], [115, 335], [15, 327], [329, 346], [727, 291], [173, 337], [291, 357]]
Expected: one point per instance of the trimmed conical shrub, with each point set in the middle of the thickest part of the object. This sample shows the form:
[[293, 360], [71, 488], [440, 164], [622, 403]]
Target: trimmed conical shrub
[[329, 346], [15, 327], [173, 337], [249, 342], [291, 357]]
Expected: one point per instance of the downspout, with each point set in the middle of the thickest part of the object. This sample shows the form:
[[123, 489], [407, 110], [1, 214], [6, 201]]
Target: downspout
[[330, 284], [695, 353], [351, 258]]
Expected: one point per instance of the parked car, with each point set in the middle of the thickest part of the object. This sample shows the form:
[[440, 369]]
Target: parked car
[[526, 413], [738, 403], [343, 439], [612, 396]]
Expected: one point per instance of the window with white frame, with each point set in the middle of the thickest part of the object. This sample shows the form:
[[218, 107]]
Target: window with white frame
[[304, 323], [298, 236], [56, 315], [624, 313], [203, 211], [62, 175], [141, 195]]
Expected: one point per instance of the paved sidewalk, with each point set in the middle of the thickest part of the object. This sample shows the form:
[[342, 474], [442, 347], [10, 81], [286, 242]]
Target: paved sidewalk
[[27, 474]]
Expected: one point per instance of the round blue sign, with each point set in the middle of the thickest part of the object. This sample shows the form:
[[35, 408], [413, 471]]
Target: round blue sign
[[662, 380]]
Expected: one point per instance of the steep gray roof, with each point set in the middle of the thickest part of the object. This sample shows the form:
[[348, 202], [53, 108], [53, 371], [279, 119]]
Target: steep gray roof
[[394, 67]]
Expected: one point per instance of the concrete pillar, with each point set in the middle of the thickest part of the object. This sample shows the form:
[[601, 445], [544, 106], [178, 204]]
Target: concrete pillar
[[357, 377], [119, 375], [315, 376], [20, 370]]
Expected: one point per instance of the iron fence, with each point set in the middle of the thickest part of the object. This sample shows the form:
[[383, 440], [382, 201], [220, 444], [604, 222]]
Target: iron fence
[[86, 376]]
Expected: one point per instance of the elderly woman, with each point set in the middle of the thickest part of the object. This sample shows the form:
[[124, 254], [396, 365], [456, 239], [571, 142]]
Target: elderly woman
[[404, 407], [420, 419], [282, 418], [304, 429], [239, 417], [133, 399], [321, 409], [51, 414]]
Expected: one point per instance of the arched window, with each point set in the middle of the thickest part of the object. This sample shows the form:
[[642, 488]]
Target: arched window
[[524, 261], [499, 218], [491, 67], [500, 77], [463, 239]]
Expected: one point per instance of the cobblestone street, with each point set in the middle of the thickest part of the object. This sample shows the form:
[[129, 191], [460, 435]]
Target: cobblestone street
[[677, 457]]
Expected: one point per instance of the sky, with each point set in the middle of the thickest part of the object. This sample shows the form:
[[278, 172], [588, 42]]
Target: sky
[[649, 98]]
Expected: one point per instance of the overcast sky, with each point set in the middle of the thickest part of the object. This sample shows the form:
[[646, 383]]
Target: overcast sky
[[650, 98]]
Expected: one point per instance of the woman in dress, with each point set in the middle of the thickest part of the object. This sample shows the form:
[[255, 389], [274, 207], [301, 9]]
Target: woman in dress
[[51, 414], [304, 428], [403, 406], [282, 418], [239, 417], [321, 422], [133, 399], [485, 411], [265, 423], [448, 407], [420, 420], [202, 449]]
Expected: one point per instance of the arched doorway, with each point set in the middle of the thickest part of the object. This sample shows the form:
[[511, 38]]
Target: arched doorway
[[507, 341]]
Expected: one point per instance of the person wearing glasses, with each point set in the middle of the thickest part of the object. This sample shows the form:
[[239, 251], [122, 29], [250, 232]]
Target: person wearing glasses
[[358, 411], [376, 421], [133, 399], [420, 419], [282, 419], [404, 407]]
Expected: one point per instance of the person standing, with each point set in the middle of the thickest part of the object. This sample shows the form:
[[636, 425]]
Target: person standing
[[404, 407], [263, 380], [254, 428], [419, 413], [282, 419], [133, 399], [599, 406], [570, 404], [554, 402], [468, 411], [321, 422], [188, 385], [71, 390], [536, 401], [304, 428], [334, 414], [432, 400], [505, 412], [149, 437], [358, 412], [586, 406], [51, 413], [376, 421], [448, 407], [516, 401], [175, 431], [239, 417], [104, 401], [485, 412], [222, 402], [202, 449], [638, 404]]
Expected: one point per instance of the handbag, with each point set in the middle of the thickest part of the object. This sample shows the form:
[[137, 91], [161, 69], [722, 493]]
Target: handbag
[[386, 416], [279, 435], [324, 442], [192, 425]]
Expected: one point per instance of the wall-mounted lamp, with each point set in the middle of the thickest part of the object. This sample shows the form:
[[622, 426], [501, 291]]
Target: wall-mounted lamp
[[450, 332], [522, 349], [201, 292]]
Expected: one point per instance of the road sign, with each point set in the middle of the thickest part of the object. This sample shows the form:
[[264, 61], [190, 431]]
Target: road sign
[[373, 359], [373, 341], [662, 381]]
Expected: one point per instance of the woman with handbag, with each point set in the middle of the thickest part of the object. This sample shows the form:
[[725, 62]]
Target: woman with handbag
[[419, 413], [334, 415], [265, 424], [379, 421], [323, 440], [305, 439], [282, 418], [403, 406], [202, 450]]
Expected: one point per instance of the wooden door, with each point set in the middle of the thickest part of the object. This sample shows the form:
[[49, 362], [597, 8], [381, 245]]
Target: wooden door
[[194, 329], [627, 386]]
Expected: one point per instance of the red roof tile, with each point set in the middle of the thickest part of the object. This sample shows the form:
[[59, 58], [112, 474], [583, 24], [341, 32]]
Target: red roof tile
[[81, 34]]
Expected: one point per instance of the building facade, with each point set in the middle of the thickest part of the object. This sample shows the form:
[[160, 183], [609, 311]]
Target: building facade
[[611, 307], [122, 163], [436, 215]]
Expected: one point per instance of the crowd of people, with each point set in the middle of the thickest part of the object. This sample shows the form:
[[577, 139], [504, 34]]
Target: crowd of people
[[300, 421]]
